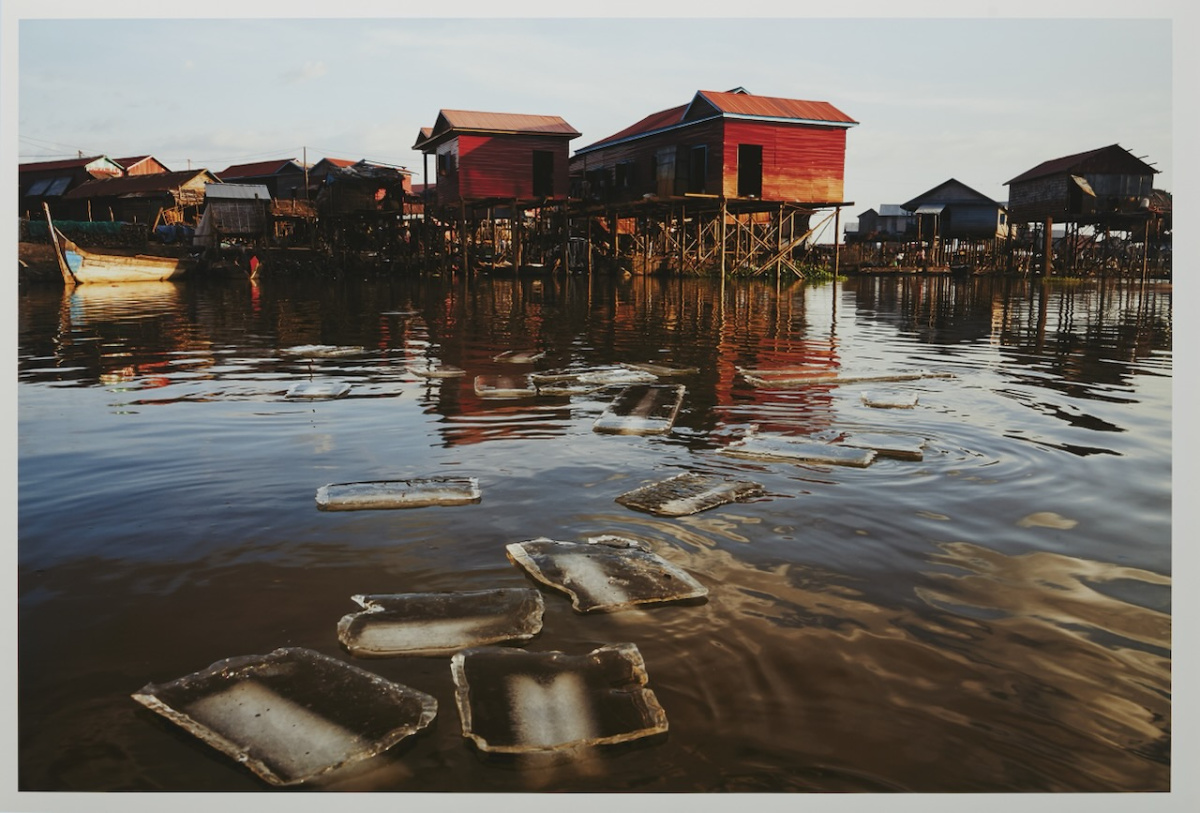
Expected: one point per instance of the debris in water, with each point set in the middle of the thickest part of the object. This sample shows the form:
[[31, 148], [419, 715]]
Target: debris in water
[[519, 356], [504, 386], [1047, 519], [377, 494], [688, 493], [322, 350], [890, 400], [642, 409], [512, 701], [318, 390], [438, 371], [439, 623], [661, 369], [292, 715], [606, 573], [617, 375], [886, 444], [802, 377], [797, 450]]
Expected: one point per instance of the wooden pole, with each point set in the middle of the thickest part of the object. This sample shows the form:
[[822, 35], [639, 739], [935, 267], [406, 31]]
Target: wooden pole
[[721, 236], [1048, 246], [837, 245]]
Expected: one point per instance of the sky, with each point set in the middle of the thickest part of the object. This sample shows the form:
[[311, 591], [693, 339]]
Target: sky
[[978, 98]]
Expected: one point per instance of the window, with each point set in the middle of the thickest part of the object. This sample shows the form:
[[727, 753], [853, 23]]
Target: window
[[445, 164], [698, 174]]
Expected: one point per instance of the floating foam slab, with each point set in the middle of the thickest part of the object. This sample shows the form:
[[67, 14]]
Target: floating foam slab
[[800, 378], [381, 494], [511, 701], [322, 350], [292, 715], [662, 369], [318, 390], [642, 409], [504, 386], [889, 400], [519, 356], [794, 450], [688, 493], [606, 378], [902, 447], [439, 623], [443, 371], [606, 573]]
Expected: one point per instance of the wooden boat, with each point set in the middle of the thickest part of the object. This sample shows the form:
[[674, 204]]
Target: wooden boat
[[79, 265]]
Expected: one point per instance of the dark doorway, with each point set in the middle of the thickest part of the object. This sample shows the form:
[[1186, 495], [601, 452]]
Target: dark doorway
[[543, 173], [749, 171]]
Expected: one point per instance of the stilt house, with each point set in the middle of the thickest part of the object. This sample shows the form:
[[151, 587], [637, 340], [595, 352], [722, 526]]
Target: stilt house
[[1088, 187], [954, 211], [283, 179], [729, 144], [497, 156]]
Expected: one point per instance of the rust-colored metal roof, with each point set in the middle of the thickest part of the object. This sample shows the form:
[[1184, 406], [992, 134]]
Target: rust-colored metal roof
[[747, 104], [661, 120], [504, 122], [65, 163], [259, 169], [1070, 163], [475, 121], [137, 184], [729, 103]]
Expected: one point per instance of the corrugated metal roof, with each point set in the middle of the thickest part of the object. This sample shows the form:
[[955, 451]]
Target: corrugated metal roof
[[737, 102], [893, 210], [236, 191], [503, 122], [260, 169], [747, 104], [930, 209], [1069, 162], [135, 184], [66, 163]]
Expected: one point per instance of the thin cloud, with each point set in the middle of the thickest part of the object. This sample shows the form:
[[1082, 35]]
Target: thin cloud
[[305, 73]]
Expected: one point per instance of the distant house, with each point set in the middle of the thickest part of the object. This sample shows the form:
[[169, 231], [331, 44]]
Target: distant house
[[731, 144], [238, 211], [318, 172], [890, 222], [173, 197], [497, 156], [1087, 187], [142, 165], [282, 178], [954, 211], [48, 181], [363, 187]]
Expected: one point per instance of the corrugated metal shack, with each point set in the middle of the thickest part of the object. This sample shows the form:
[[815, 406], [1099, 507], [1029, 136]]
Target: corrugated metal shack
[[1107, 190], [491, 170], [236, 212], [729, 179]]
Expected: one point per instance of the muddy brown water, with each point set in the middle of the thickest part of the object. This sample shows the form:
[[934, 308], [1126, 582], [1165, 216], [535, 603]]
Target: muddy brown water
[[992, 618]]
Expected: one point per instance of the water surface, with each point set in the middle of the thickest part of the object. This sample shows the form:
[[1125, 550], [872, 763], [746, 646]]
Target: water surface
[[992, 618]]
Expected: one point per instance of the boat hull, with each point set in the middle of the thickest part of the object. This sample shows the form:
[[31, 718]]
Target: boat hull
[[86, 266]]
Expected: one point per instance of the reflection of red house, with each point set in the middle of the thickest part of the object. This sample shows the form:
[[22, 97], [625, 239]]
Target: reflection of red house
[[732, 144], [500, 156]]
